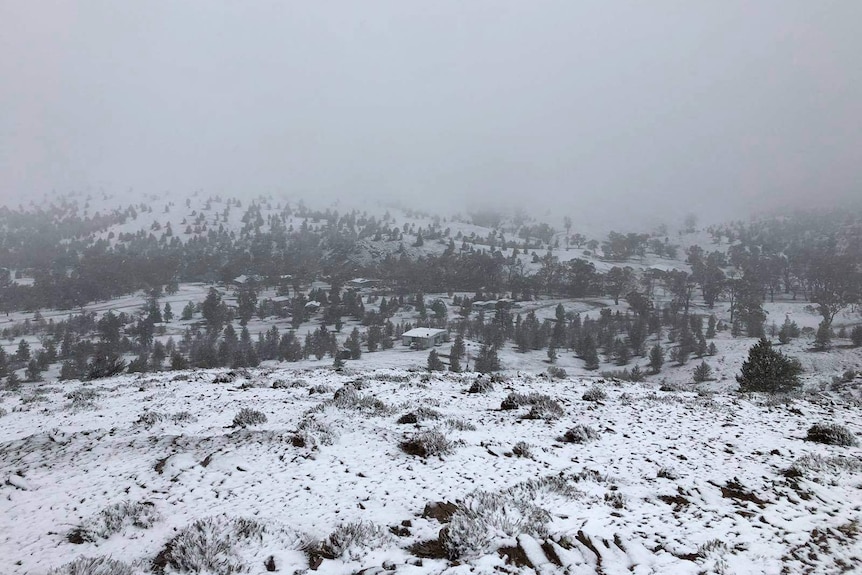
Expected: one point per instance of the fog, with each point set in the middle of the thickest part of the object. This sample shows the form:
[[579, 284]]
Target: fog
[[607, 111]]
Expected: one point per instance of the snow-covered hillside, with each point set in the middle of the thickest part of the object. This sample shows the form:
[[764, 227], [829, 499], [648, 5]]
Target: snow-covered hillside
[[392, 470]]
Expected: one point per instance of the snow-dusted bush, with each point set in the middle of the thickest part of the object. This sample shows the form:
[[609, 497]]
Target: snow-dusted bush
[[94, 566], [2, 412], [149, 418], [820, 464], [545, 408], [668, 473], [459, 424], [557, 372], [580, 434], [615, 499], [352, 541], [311, 432], [481, 385], [82, 398], [516, 400], [282, 384], [209, 546], [319, 388], [113, 519], [183, 417], [595, 393], [247, 416], [427, 444], [419, 414], [347, 397], [832, 434], [523, 449], [481, 517]]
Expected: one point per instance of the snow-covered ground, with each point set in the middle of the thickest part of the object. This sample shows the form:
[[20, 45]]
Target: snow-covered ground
[[672, 482]]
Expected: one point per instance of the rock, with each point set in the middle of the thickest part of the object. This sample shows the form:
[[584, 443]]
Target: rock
[[19, 482], [442, 511]]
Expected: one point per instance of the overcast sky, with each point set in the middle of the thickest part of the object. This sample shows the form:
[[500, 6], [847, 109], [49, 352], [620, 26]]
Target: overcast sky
[[712, 107]]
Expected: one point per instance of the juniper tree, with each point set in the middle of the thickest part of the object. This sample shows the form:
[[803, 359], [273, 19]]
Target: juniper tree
[[487, 360], [702, 372], [434, 362], [589, 353], [823, 338], [769, 370], [353, 344]]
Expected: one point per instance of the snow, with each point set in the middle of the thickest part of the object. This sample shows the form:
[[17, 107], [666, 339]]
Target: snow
[[729, 507], [422, 332]]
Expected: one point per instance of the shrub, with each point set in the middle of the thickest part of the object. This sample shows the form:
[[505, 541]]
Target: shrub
[[545, 408], [352, 540], [768, 370], [820, 464], [856, 336], [312, 432], [832, 434], [460, 425], [347, 397], [482, 516], [183, 417], [114, 519], [149, 418], [419, 414], [247, 416], [595, 393], [481, 386], [516, 400], [94, 566], [522, 449], [615, 499], [83, 398], [580, 434], [557, 372], [208, 545], [667, 473], [427, 444]]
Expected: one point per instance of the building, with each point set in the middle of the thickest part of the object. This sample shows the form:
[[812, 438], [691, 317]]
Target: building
[[359, 283], [424, 337]]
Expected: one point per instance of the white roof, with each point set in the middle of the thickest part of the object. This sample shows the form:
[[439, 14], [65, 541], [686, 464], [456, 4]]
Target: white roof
[[422, 332]]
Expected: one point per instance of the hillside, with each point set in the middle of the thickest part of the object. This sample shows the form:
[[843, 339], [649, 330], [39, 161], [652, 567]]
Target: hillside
[[156, 471]]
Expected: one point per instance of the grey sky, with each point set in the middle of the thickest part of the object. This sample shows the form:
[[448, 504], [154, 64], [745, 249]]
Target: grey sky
[[598, 106]]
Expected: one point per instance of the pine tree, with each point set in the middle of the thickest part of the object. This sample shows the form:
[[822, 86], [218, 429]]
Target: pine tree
[[710, 327], [188, 311], [823, 338], [32, 373], [434, 362], [454, 363], [769, 370], [589, 353], [487, 360], [552, 354], [353, 344], [168, 314], [656, 358], [702, 372]]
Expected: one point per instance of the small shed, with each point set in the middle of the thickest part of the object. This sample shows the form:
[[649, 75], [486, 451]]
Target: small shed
[[359, 283], [424, 337]]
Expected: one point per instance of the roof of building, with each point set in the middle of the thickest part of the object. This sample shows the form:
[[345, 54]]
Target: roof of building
[[423, 332]]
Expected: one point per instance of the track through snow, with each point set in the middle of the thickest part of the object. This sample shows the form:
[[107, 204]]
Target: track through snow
[[675, 482]]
